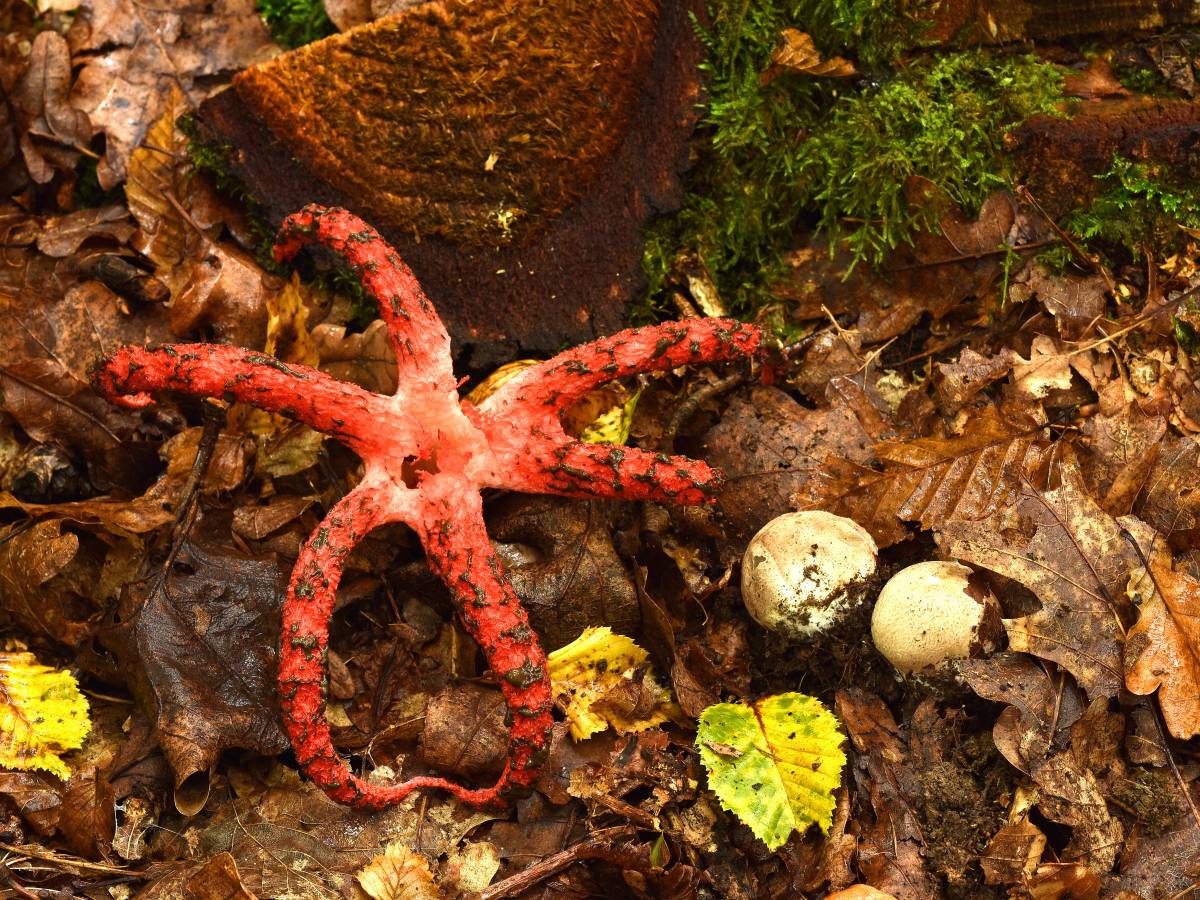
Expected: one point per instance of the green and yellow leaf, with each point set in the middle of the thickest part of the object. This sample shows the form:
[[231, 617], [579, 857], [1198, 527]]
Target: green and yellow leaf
[[607, 681], [774, 764], [612, 426], [42, 714]]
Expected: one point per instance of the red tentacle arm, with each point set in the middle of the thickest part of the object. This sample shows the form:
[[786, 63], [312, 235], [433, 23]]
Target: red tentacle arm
[[308, 395], [561, 380], [417, 334], [578, 469], [449, 520]]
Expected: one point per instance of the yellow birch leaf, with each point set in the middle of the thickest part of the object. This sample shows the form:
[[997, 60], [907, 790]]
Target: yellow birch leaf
[[612, 426], [774, 764], [158, 170], [398, 874], [492, 383], [42, 714], [607, 681]]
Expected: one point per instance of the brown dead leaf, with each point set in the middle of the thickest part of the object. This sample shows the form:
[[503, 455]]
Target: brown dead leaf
[[41, 576], [1071, 796], [1061, 545], [891, 852], [201, 652], [365, 358], [957, 383], [1041, 711], [63, 235], [1013, 854], [1047, 369], [1161, 865], [217, 879], [1075, 301], [132, 54], [934, 481], [52, 130], [36, 796], [223, 288], [560, 557], [256, 521], [798, 54], [1094, 82], [769, 447], [464, 731], [158, 189], [1162, 651]]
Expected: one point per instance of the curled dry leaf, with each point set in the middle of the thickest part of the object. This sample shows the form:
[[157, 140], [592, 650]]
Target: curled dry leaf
[[957, 383], [158, 189], [201, 652], [1061, 545], [62, 236], [559, 555], [1162, 651], [39, 572], [798, 54], [132, 55], [935, 481], [464, 731]]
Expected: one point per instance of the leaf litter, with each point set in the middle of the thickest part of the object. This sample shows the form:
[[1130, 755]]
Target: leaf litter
[[1045, 434]]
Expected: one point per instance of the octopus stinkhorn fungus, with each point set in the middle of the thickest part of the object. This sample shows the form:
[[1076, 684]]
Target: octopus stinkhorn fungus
[[426, 457]]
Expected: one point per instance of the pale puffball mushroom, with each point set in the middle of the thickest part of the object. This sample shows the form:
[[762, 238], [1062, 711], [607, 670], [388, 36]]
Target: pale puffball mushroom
[[804, 571], [932, 612]]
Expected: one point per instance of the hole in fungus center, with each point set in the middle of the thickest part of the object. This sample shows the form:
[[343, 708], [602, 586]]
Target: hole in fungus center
[[414, 466]]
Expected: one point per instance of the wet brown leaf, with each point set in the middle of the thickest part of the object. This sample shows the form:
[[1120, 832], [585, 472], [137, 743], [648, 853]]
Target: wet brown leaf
[[1162, 651], [158, 189], [1071, 795], [891, 853], [256, 521], [201, 652], [464, 731], [36, 796], [88, 820], [133, 54], [1013, 854], [1075, 301], [1162, 865], [1094, 82], [52, 129], [222, 288], [39, 577], [934, 481], [770, 447], [63, 235], [957, 383], [563, 566], [1041, 712], [1061, 545]]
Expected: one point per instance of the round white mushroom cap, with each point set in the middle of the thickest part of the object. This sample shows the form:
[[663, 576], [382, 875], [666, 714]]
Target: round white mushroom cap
[[932, 612], [804, 571]]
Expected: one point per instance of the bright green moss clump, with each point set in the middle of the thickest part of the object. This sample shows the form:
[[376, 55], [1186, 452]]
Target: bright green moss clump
[[832, 152], [294, 23], [1142, 206]]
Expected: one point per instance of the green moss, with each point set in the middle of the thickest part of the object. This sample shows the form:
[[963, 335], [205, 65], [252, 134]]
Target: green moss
[[802, 150], [294, 23], [88, 192], [1142, 206]]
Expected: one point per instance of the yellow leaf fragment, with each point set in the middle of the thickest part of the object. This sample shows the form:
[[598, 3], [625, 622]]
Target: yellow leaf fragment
[[42, 714], [612, 426], [398, 874], [607, 681], [775, 764], [493, 382]]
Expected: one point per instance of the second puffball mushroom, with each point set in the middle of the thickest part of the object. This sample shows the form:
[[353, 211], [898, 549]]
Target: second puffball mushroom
[[805, 571], [932, 612]]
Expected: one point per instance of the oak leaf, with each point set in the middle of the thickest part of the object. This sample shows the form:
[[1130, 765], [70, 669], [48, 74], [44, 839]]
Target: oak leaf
[[1162, 651], [1061, 545]]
